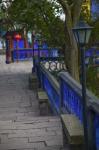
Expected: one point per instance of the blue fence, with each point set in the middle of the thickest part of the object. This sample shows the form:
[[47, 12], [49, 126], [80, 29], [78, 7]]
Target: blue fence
[[66, 96], [92, 56], [51, 86], [28, 53], [71, 93], [21, 54]]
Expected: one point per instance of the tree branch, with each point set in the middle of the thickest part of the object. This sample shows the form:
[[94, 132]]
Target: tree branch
[[76, 10], [64, 5]]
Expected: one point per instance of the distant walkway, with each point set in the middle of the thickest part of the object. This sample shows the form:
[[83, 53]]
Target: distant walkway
[[21, 127]]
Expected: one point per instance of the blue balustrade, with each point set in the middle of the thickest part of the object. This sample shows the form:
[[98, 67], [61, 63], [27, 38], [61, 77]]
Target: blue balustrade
[[27, 53], [96, 123], [67, 95], [52, 93], [47, 81], [71, 100], [21, 54]]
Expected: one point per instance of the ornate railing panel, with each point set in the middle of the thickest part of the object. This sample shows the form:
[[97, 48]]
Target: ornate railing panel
[[71, 99], [71, 96], [53, 63], [51, 86]]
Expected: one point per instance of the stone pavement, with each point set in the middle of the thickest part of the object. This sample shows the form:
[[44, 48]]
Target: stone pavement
[[21, 126]]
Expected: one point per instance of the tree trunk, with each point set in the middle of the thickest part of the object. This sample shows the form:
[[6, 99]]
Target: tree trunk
[[71, 52]]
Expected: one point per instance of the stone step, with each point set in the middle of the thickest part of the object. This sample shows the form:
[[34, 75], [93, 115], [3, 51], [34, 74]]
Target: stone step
[[42, 133], [21, 128]]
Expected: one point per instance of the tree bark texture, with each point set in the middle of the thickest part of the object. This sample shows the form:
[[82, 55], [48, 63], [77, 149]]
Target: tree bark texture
[[72, 14]]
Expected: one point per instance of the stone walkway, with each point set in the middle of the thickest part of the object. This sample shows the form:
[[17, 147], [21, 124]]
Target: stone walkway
[[21, 126]]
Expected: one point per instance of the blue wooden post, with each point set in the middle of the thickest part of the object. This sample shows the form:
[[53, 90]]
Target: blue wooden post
[[92, 130], [33, 68], [39, 75], [61, 96]]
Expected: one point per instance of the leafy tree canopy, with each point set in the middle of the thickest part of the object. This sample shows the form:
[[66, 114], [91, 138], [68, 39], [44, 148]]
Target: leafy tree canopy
[[38, 15]]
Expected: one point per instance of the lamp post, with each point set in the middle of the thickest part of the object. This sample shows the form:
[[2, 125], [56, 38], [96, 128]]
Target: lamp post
[[82, 34]]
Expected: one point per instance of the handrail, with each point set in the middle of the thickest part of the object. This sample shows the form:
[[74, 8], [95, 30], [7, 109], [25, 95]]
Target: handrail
[[75, 85], [92, 100], [29, 48], [51, 86], [66, 95], [51, 78], [74, 104]]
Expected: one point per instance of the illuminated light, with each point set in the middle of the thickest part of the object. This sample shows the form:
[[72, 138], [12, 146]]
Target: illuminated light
[[17, 37]]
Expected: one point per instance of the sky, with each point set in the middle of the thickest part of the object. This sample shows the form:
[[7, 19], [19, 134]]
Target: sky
[[62, 17]]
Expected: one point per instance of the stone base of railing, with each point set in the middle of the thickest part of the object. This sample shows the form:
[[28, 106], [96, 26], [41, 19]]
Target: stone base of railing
[[43, 102], [72, 132], [33, 82]]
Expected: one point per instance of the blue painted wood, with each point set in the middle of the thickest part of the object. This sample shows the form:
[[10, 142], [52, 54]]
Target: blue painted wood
[[97, 130], [19, 55], [52, 94], [26, 54], [18, 44], [71, 100], [47, 81], [67, 95]]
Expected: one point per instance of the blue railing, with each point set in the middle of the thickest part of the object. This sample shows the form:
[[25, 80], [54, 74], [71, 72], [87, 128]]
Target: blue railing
[[71, 95], [21, 54], [66, 96], [71, 99], [51, 86], [27, 54]]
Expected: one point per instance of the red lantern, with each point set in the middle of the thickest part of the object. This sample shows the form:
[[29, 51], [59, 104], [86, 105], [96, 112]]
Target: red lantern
[[17, 37]]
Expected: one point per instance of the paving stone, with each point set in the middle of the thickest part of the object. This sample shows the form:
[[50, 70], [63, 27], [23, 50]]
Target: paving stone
[[5, 140], [21, 126], [54, 142], [47, 139], [20, 145], [31, 134]]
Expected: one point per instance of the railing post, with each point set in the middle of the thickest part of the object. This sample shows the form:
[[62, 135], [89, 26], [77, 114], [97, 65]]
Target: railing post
[[42, 81], [33, 68], [38, 67], [91, 127], [61, 96]]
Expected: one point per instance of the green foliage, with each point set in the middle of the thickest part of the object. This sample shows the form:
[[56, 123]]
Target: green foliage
[[37, 16], [93, 80], [95, 33]]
